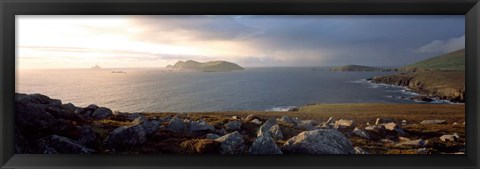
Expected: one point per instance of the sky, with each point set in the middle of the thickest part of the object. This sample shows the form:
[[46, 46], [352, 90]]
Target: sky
[[251, 41]]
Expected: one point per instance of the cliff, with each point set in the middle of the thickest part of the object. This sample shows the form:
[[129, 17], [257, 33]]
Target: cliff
[[445, 85]]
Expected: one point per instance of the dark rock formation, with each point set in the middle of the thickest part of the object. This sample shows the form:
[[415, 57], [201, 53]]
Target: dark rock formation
[[321, 141]]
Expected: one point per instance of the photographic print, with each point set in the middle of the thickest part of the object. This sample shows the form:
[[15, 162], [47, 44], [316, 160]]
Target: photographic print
[[240, 84]]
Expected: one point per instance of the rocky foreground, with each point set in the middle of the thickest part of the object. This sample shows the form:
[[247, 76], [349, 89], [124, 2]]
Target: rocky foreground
[[46, 126]]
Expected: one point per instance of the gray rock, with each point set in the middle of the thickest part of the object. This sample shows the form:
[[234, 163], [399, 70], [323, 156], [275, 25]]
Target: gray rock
[[87, 135], [150, 126], [264, 145], [256, 121], [287, 119], [33, 117], [272, 128], [452, 137], [250, 117], [342, 123], [404, 122], [139, 120], [378, 129], [212, 136], [55, 144], [101, 113], [359, 150], [199, 128], [307, 124], [422, 151], [92, 107], [415, 143], [321, 141], [38, 99], [433, 122], [361, 133], [233, 125], [232, 143], [125, 136], [235, 118], [176, 125], [383, 120], [133, 116], [69, 106]]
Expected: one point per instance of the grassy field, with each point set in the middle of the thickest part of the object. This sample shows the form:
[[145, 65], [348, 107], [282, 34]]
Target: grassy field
[[450, 61]]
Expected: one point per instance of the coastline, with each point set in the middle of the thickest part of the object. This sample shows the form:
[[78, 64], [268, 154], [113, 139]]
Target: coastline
[[434, 85], [45, 125]]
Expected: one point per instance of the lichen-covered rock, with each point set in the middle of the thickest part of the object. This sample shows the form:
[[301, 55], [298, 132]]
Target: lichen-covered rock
[[394, 127], [176, 125], [232, 143], [264, 144], [101, 113], [126, 136], [414, 143], [250, 117], [256, 121], [342, 123], [321, 141], [380, 121], [447, 137], [433, 122], [55, 144], [233, 125]]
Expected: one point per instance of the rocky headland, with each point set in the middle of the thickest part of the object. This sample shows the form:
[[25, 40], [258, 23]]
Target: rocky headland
[[47, 126]]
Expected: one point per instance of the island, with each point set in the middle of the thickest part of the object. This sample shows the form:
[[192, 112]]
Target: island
[[96, 67], [211, 66], [440, 77], [357, 68]]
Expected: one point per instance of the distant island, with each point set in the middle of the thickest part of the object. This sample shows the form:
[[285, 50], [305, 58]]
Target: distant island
[[357, 68], [96, 67], [212, 66]]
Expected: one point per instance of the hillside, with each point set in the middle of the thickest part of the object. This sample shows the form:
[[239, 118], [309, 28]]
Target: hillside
[[212, 66], [356, 68], [450, 61]]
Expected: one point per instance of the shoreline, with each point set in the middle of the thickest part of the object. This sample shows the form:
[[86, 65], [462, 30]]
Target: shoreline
[[46, 126]]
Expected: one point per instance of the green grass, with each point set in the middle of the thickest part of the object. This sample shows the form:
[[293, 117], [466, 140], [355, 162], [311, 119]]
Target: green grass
[[450, 61], [355, 68]]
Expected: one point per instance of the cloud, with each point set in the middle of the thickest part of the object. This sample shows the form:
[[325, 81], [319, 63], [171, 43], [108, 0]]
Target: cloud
[[443, 46]]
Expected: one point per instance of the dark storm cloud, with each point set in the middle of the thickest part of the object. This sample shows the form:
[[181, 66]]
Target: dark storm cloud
[[320, 40]]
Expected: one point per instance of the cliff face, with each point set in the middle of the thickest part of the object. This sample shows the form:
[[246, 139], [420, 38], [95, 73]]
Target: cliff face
[[212, 66], [446, 85]]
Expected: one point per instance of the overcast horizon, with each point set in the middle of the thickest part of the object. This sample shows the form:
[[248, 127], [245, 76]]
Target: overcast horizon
[[250, 41]]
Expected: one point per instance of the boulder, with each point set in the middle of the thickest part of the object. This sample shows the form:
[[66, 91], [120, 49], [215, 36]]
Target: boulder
[[126, 136], [87, 135], [55, 144], [264, 144], [286, 119], [256, 121], [451, 137], [101, 113], [37, 99], [233, 125], [394, 127], [250, 117], [211, 136], [306, 124], [272, 128], [361, 133], [200, 127], [231, 143], [150, 126], [414, 143], [91, 107], [69, 106], [433, 122], [359, 150], [176, 125], [321, 141], [383, 120], [31, 117], [341, 124]]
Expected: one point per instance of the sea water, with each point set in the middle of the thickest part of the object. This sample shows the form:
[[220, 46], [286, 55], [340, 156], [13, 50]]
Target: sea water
[[160, 90]]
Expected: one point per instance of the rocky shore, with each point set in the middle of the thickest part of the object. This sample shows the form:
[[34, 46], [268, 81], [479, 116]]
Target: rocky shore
[[47, 126], [443, 85]]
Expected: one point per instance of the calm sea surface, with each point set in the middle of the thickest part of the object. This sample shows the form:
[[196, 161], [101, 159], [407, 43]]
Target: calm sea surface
[[157, 90]]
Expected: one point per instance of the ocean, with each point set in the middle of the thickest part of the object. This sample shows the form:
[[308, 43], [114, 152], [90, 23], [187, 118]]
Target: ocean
[[159, 90]]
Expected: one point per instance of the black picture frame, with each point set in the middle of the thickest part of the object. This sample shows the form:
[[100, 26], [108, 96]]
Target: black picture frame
[[10, 8]]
